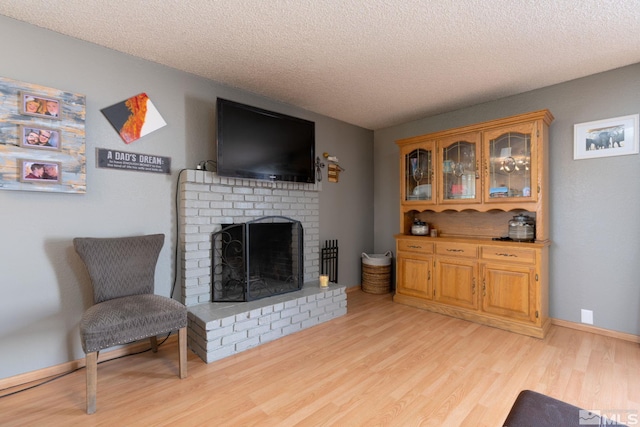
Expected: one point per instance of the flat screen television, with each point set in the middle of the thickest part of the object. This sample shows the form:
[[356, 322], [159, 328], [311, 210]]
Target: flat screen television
[[260, 144]]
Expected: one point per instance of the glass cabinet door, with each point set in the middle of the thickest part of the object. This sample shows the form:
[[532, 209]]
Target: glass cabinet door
[[418, 172], [459, 169], [510, 157]]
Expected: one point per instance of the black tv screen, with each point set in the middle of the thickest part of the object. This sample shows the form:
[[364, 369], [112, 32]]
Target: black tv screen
[[260, 144]]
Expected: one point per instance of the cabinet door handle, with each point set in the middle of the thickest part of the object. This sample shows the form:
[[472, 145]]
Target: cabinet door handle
[[507, 255], [473, 286], [455, 250], [415, 247]]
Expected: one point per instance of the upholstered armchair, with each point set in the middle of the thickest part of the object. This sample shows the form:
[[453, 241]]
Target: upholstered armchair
[[122, 272]]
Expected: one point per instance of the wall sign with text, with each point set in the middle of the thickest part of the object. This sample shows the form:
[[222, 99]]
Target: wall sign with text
[[115, 159]]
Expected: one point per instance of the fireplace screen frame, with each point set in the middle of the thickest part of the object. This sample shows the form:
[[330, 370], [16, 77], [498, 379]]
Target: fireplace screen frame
[[231, 263]]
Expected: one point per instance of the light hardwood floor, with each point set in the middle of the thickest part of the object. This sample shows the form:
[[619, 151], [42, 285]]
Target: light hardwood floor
[[381, 364]]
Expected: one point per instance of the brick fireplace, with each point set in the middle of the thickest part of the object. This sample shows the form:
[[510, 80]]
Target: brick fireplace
[[208, 201]]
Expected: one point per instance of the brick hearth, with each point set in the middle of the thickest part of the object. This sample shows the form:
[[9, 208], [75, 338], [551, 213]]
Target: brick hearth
[[219, 330]]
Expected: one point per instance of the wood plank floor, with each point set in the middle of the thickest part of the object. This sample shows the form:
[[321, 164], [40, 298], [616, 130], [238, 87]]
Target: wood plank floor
[[381, 364]]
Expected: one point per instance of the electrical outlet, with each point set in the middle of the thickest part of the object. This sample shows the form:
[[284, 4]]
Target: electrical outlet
[[586, 316]]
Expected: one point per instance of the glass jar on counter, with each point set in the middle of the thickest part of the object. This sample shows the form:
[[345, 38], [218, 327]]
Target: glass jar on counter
[[419, 228], [522, 228]]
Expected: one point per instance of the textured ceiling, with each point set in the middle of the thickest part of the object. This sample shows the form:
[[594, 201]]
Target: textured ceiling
[[372, 63]]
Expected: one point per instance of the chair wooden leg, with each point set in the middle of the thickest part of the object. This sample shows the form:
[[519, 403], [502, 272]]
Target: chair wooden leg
[[154, 343], [182, 349], [92, 381]]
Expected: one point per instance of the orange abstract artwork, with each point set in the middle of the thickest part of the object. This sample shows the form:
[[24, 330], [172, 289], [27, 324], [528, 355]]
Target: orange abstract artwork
[[134, 117]]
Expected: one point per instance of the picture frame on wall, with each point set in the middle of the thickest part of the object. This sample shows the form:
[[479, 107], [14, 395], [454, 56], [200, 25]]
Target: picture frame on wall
[[617, 136], [39, 137], [60, 144], [39, 106], [40, 171]]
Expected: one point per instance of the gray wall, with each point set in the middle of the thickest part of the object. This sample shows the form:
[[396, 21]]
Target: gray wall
[[44, 286], [595, 203]]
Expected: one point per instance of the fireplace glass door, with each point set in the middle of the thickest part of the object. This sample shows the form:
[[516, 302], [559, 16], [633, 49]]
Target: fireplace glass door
[[257, 259]]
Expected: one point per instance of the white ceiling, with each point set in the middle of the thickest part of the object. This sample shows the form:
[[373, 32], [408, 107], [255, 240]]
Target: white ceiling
[[372, 63]]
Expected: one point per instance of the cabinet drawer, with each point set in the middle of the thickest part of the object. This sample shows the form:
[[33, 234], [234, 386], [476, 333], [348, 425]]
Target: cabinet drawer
[[467, 250], [500, 253], [415, 245]]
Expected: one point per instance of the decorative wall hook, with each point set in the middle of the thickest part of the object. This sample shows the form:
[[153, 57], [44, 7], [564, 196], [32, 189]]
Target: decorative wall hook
[[334, 160], [334, 168], [329, 157], [319, 166]]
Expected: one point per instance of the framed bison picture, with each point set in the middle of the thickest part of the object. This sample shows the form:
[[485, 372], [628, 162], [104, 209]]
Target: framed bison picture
[[605, 138]]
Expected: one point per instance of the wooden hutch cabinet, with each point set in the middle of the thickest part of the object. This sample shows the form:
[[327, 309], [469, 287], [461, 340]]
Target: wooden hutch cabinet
[[468, 183]]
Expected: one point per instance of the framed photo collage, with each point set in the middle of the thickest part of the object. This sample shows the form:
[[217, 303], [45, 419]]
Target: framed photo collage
[[42, 146]]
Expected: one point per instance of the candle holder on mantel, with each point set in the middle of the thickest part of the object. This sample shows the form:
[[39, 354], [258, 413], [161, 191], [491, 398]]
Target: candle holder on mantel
[[324, 281]]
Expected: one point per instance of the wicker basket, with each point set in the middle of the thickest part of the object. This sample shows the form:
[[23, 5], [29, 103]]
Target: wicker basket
[[376, 273]]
